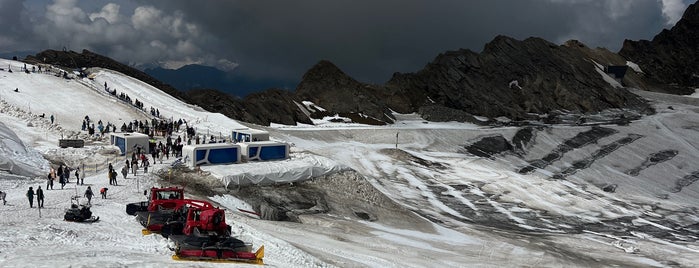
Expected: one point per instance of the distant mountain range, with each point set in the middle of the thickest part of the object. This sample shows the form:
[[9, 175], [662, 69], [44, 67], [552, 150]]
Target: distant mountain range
[[522, 80], [16, 54], [196, 76]]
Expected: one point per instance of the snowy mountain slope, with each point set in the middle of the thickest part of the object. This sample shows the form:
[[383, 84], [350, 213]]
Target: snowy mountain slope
[[650, 164], [428, 203]]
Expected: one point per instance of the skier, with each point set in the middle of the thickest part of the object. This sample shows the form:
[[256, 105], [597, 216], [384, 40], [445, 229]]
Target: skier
[[2, 196], [39, 197], [51, 119], [88, 194], [30, 196]]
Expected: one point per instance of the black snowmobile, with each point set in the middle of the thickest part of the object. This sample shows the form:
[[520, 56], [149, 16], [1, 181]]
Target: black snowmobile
[[78, 212]]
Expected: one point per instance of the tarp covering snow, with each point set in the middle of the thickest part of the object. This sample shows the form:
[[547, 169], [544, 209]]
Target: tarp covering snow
[[300, 167], [15, 157]]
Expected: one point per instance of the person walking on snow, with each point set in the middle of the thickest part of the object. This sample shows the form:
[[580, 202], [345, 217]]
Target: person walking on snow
[[2, 197], [124, 171], [146, 163], [49, 180], [77, 175], [66, 173], [39, 197], [88, 194], [61, 178], [134, 166], [30, 196], [51, 119]]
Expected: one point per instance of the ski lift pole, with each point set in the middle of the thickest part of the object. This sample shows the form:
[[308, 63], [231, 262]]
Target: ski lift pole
[[397, 139]]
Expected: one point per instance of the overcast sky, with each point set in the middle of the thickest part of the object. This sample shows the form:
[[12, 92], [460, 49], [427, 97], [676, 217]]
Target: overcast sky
[[369, 39]]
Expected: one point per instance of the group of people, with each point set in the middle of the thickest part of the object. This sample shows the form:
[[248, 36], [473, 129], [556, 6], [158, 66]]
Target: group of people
[[112, 175], [89, 194], [101, 128], [123, 96], [62, 173], [39, 197], [136, 157]]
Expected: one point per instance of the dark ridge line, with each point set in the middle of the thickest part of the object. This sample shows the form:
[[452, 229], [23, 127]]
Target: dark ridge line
[[581, 139], [546, 223], [602, 152], [653, 159], [686, 181]]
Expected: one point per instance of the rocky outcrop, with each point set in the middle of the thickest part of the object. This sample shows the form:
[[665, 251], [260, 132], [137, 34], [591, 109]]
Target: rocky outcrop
[[271, 106], [510, 78], [274, 106], [671, 59], [329, 87]]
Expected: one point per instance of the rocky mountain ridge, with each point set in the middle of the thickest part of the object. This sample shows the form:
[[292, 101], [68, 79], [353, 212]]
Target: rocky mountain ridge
[[522, 80], [671, 60]]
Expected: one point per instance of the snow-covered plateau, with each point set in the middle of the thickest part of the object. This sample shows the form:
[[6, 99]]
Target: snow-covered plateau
[[403, 195]]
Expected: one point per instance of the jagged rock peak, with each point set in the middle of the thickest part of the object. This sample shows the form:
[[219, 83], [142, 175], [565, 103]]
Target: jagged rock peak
[[691, 15], [574, 44], [671, 60], [504, 43], [324, 69]]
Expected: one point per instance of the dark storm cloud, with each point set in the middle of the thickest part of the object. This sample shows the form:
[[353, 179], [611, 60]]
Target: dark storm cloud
[[372, 39], [13, 23], [280, 40]]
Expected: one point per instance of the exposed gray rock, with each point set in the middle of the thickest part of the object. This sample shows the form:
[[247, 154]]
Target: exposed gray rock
[[671, 59], [327, 86], [511, 78], [489, 146]]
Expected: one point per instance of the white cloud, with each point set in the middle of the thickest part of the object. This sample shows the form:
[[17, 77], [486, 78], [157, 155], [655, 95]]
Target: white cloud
[[618, 8], [109, 12], [672, 10], [226, 65], [149, 35]]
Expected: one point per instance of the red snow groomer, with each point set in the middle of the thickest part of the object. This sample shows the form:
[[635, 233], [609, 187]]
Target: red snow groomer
[[161, 208], [167, 193], [201, 234], [161, 212]]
